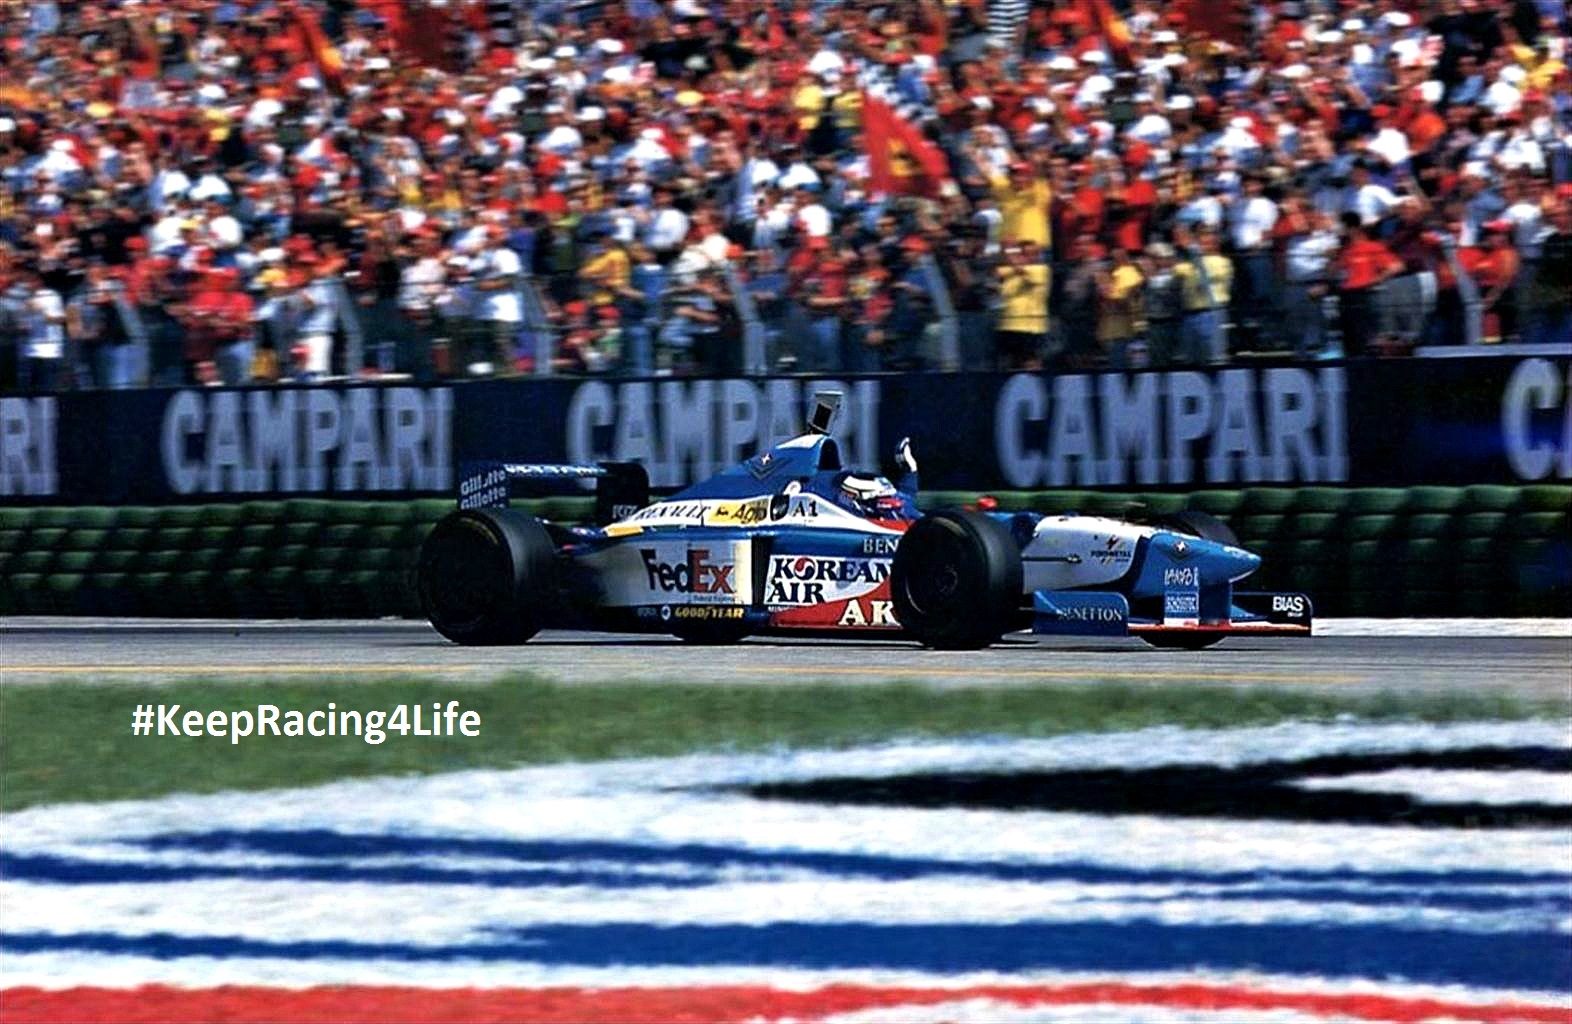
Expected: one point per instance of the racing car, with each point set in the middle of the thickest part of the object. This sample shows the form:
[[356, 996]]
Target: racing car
[[790, 542]]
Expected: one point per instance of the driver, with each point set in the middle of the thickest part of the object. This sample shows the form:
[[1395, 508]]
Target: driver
[[875, 497]]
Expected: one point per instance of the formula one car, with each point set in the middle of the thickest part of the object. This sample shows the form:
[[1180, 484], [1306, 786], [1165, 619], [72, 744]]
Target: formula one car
[[790, 542]]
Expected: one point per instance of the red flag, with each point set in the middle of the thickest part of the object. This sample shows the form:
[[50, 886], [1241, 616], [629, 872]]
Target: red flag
[[901, 160], [146, 61], [323, 53], [420, 31], [1115, 33]]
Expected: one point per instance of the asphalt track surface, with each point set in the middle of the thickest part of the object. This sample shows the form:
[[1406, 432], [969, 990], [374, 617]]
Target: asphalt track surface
[[1523, 658]]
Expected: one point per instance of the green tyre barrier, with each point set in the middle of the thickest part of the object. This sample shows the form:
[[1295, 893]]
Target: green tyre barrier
[[1479, 550]]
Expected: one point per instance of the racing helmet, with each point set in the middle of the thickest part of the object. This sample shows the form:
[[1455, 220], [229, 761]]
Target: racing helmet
[[872, 496]]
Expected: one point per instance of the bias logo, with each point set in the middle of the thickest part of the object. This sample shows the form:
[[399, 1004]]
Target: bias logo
[[1292, 605], [697, 575]]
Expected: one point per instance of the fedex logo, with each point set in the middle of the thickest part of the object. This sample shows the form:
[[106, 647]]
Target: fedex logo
[[696, 575]]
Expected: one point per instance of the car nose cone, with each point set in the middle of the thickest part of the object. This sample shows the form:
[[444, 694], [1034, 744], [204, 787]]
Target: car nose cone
[[1239, 563]]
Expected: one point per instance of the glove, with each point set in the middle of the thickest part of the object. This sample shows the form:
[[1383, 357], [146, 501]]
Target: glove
[[904, 457]]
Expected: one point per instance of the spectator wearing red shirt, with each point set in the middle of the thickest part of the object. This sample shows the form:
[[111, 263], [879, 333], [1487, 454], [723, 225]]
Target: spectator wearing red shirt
[[868, 311], [1495, 266], [1364, 264], [219, 329], [822, 291], [154, 106]]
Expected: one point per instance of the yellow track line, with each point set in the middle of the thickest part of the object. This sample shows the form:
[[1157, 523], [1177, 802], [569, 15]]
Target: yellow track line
[[1045, 673], [807, 672], [231, 670]]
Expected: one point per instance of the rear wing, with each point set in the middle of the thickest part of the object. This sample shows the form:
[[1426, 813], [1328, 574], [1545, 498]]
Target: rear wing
[[621, 488]]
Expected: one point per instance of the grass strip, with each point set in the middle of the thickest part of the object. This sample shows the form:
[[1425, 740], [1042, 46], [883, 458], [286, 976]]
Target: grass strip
[[73, 742]]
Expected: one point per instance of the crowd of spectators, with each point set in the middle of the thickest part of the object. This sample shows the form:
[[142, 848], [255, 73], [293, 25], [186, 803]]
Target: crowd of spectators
[[626, 186]]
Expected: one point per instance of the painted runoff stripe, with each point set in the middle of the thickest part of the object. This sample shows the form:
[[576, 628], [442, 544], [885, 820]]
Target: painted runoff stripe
[[626, 666], [1116, 1000], [549, 885]]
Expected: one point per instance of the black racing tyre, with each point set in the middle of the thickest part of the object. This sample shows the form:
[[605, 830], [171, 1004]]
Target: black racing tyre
[[1182, 641], [1198, 524], [956, 580], [711, 634], [487, 576]]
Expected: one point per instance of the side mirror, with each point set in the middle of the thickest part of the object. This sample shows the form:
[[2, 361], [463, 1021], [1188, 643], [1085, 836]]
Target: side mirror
[[826, 407]]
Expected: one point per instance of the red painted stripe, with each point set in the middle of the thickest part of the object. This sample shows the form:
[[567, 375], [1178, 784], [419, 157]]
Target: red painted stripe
[[1224, 629], [161, 1004]]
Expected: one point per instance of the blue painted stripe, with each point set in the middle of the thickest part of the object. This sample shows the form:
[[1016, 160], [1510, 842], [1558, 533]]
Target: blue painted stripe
[[1524, 960], [75, 871], [328, 843], [555, 864]]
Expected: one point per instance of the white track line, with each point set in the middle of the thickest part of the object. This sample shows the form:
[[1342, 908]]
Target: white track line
[[1323, 627]]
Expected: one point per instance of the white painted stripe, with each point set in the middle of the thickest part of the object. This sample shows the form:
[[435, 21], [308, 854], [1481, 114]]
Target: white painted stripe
[[673, 802], [292, 911], [1522, 627], [538, 802], [1436, 786], [1444, 627]]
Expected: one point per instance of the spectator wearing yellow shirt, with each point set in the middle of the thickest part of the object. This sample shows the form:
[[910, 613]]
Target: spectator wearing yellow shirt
[[1206, 281], [1023, 199], [1121, 311], [1023, 317], [606, 272], [808, 102], [1542, 65]]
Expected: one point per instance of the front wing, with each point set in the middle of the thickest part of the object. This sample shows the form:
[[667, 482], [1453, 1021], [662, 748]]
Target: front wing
[[1105, 613]]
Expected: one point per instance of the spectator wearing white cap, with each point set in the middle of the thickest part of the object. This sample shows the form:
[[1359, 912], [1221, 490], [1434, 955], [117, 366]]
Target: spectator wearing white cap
[[43, 335], [316, 311], [496, 270], [1251, 220], [169, 183], [1150, 126], [560, 137], [1372, 201], [667, 228], [1307, 259]]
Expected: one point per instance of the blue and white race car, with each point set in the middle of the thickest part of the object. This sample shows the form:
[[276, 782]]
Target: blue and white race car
[[789, 542]]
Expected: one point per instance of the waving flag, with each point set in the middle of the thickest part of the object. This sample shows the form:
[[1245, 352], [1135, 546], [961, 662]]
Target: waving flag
[[901, 160], [1112, 27], [419, 30], [316, 43]]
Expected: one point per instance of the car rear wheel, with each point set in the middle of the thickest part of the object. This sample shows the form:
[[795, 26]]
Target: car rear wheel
[[486, 576], [956, 580]]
